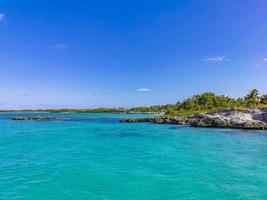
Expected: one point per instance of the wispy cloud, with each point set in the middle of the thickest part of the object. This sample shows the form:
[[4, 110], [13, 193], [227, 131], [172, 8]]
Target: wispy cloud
[[257, 64], [144, 90], [215, 59], [60, 46], [2, 16], [263, 61]]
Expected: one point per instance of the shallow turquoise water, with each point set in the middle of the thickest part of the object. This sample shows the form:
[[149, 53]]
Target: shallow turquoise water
[[98, 158]]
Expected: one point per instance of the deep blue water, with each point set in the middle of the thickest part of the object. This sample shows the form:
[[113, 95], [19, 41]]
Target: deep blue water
[[95, 157]]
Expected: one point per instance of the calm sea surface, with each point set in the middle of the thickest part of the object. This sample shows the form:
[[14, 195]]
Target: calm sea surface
[[95, 157]]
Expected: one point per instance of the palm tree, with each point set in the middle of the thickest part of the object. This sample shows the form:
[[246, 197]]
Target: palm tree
[[252, 97]]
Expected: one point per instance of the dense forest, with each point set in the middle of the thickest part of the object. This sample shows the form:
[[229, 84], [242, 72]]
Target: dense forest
[[208, 102]]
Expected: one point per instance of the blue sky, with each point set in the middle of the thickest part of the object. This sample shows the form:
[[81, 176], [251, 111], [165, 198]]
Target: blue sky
[[126, 53]]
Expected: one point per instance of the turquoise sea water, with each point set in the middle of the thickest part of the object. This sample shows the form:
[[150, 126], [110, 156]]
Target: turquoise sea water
[[95, 157]]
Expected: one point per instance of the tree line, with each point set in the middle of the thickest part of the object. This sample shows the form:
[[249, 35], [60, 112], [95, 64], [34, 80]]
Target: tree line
[[208, 102]]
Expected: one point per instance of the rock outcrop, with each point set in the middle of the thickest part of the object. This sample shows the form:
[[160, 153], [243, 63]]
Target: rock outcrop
[[248, 119], [159, 120]]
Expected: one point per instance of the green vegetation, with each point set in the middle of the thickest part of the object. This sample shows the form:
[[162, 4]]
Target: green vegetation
[[95, 110], [205, 102], [208, 102]]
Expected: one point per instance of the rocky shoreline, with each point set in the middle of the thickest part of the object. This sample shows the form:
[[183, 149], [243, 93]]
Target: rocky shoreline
[[248, 119]]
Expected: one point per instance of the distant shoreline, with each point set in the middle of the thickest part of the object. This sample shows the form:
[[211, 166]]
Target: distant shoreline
[[201, 110], [77, 111]]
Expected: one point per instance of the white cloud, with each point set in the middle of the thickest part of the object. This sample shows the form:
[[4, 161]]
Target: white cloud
[[2, 16], [60, 46], [215, 59], [264, 59], [143, 90]]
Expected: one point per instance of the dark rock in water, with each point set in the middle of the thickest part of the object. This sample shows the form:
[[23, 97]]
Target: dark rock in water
[[158, 120], [248, 119], [40, 118]]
